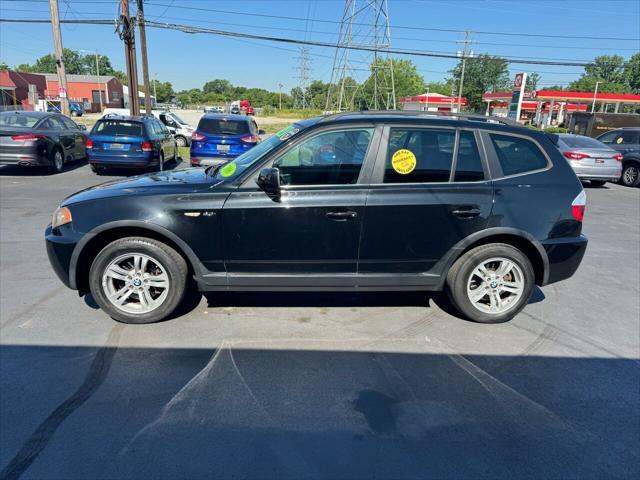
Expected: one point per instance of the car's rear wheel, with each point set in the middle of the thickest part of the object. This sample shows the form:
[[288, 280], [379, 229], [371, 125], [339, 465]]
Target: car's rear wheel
[[630, 175], [491, 283], [597, 183], [181, 141], [96, 169], [138, 280], [57, 161]]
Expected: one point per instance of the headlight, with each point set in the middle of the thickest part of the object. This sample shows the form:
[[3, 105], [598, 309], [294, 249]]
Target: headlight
[[61, 217]]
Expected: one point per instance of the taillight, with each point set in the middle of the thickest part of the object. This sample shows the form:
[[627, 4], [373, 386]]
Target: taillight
[[618, 157], [26, 136], [198, 137], [575, 155], [578, 205], [88, 143], [147, 147], [250, 139]]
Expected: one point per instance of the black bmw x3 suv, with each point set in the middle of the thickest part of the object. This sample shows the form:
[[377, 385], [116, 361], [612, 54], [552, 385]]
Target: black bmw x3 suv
[[369, 201]]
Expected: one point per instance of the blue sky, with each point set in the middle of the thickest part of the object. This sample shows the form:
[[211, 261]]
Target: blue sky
[[189, 60]]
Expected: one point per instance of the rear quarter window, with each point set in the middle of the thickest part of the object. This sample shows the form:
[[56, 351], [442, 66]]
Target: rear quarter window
[[517, 154], [118, 128], [219, 126]]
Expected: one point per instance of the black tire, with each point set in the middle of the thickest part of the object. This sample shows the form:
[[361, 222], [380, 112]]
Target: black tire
[[630, 174], [57, 160], [597, 183], [460, 273], [170, 260], [95, 169], [181, 141]]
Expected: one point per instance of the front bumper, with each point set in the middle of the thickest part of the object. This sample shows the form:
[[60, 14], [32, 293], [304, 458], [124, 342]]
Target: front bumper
[[60, 246], [565, 255]]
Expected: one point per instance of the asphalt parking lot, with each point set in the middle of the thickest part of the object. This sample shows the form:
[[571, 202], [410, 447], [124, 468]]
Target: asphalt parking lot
[[317, 386]]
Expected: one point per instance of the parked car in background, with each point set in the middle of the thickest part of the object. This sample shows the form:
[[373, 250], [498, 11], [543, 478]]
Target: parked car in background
[[180, 129], [627, 142], [220, 138], [130, 142], [213, 109], [250, 111], [591, 159], [235, 110], [345, 202], [40, 139], [75, 109]]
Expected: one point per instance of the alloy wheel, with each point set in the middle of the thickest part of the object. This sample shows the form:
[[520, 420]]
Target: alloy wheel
[[58, 161], [630, 175], [495, 285], [136, 283]]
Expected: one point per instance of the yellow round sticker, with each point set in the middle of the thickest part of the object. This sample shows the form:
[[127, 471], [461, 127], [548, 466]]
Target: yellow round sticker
[[403, 161]]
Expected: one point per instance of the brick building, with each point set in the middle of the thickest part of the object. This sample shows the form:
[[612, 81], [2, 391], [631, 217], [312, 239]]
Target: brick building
[[87, 90]]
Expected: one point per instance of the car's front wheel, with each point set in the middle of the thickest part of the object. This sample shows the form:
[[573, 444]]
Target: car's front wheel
[[631, 175], [138, 280], [491, 283], [181, 141], [57, 161]]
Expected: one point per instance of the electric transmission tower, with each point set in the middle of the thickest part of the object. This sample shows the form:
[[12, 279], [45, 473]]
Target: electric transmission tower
[[362, 79], [302, 99]]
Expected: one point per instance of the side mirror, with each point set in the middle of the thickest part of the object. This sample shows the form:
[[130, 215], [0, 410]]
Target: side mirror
[[269, 181], [261, 132]]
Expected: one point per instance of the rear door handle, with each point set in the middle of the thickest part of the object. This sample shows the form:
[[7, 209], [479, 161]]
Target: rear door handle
[[342, 216], [466, 211]]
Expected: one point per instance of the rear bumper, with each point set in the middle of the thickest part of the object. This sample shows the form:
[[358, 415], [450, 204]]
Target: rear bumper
[[121, 161], [608, 173], [24, 159], [565, 256]]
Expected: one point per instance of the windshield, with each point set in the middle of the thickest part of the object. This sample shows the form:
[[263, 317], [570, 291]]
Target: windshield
[[578, 141], [19, 119], [177, 118], [233, 169]]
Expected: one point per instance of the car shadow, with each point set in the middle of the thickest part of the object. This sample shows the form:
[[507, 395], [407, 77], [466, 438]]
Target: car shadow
[[20, 171]]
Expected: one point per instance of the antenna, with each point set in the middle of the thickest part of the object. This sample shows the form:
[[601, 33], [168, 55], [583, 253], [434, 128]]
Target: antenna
[[362, 79]]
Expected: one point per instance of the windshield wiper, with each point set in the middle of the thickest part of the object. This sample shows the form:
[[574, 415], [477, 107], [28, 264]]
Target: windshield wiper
[[213, 169]]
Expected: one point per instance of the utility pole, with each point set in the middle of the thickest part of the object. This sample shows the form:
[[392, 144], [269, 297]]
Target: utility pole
[[129, 37], [98, 81], [595, 95], [465, 53], [145, 63], [280, 103], [57, 45]]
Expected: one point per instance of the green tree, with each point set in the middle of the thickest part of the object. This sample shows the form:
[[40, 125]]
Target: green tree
[[483, 73], [164, 91], [532, 82], [632, 73], [606, 70], [406, 79], [218, 86]]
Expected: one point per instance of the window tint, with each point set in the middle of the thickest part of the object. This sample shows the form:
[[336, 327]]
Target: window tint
[[608, 137], [580, 141], [219, 126], [469, 164], [118, 128], [19, 119], [331, 158], [55, 123], [423, 156], [517, 155], [627, 137], [70, 124]]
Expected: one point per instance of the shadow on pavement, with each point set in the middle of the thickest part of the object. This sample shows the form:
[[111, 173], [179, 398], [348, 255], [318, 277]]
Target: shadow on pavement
[[236, 412], [19, 171], [130, 172]]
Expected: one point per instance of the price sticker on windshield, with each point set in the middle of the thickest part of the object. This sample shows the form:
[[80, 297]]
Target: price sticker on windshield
[[403, 161], [287, 132], [228, 170]]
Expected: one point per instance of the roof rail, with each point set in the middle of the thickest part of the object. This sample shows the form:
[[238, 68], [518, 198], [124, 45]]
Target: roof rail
[[453, 115]]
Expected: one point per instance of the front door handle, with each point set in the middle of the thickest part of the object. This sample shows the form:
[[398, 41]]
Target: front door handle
[[342, 216], [466, 211]]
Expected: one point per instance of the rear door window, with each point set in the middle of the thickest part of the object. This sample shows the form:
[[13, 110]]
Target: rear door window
[[608, 138], [70, 124], [517, 154], [419, 155], [627, 137], [118, 128], [219, 126]]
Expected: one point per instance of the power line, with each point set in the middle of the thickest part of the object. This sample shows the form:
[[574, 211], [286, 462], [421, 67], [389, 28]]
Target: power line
[[224, 33], [396, 27]]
